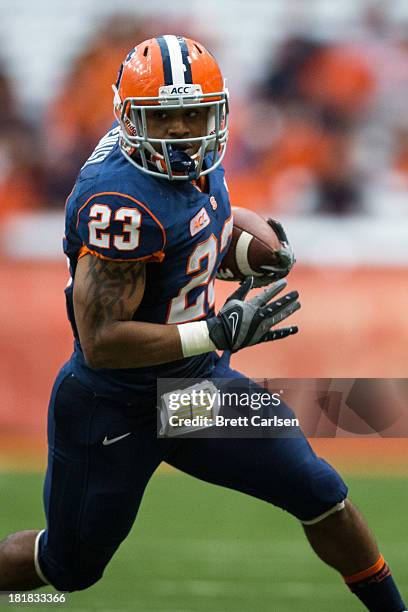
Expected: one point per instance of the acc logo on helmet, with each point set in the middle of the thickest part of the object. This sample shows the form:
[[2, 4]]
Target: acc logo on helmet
[[183, 90]]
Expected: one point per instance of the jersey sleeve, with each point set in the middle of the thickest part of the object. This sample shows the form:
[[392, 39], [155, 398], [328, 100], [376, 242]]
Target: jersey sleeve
[[119, 227]]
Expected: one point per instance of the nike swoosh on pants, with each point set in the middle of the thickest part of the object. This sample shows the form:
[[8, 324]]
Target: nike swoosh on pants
[[108, 441]]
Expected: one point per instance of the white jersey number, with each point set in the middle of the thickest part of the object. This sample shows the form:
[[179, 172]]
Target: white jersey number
[[202, 276], [101, 214]]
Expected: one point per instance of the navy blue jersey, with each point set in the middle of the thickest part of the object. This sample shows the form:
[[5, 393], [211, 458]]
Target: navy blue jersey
[[118, 212]]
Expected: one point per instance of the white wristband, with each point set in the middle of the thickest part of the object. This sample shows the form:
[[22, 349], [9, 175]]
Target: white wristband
[[195, 338]]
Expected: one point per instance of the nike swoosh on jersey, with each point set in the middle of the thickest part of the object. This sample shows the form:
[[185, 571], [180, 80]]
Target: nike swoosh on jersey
[[108, 441]]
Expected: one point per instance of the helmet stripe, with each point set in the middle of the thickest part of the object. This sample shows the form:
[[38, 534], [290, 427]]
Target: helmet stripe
[[168, 75], [184, 54], [176, 59]]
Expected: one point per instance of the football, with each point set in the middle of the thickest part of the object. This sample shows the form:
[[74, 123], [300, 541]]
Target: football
[[254, 246]]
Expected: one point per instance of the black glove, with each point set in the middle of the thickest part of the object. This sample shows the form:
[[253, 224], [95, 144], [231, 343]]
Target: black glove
[[286, 258], [240, 324]]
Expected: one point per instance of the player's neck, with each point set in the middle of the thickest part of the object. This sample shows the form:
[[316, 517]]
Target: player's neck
[[201, 184]]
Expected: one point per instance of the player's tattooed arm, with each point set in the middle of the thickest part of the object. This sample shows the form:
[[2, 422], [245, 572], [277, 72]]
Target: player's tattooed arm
[[106, 296]]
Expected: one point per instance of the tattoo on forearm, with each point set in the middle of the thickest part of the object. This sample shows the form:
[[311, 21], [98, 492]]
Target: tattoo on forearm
[[110, 287]]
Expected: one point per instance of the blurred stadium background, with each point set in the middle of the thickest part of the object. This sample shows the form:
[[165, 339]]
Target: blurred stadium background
[[319, 140]]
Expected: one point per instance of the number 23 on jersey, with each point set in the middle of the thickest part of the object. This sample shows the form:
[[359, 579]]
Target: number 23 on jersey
[[200, 265]]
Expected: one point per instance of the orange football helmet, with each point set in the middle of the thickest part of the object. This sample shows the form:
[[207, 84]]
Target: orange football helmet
[[173, 72]]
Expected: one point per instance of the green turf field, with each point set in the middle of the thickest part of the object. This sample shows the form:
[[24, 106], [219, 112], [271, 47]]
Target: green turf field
[[196, 547]]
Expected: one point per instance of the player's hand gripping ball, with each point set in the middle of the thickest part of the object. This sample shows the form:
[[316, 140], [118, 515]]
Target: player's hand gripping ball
[[258, 248]]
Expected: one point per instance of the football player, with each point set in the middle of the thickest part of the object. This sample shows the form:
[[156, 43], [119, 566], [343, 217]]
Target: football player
[[147, 224]]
